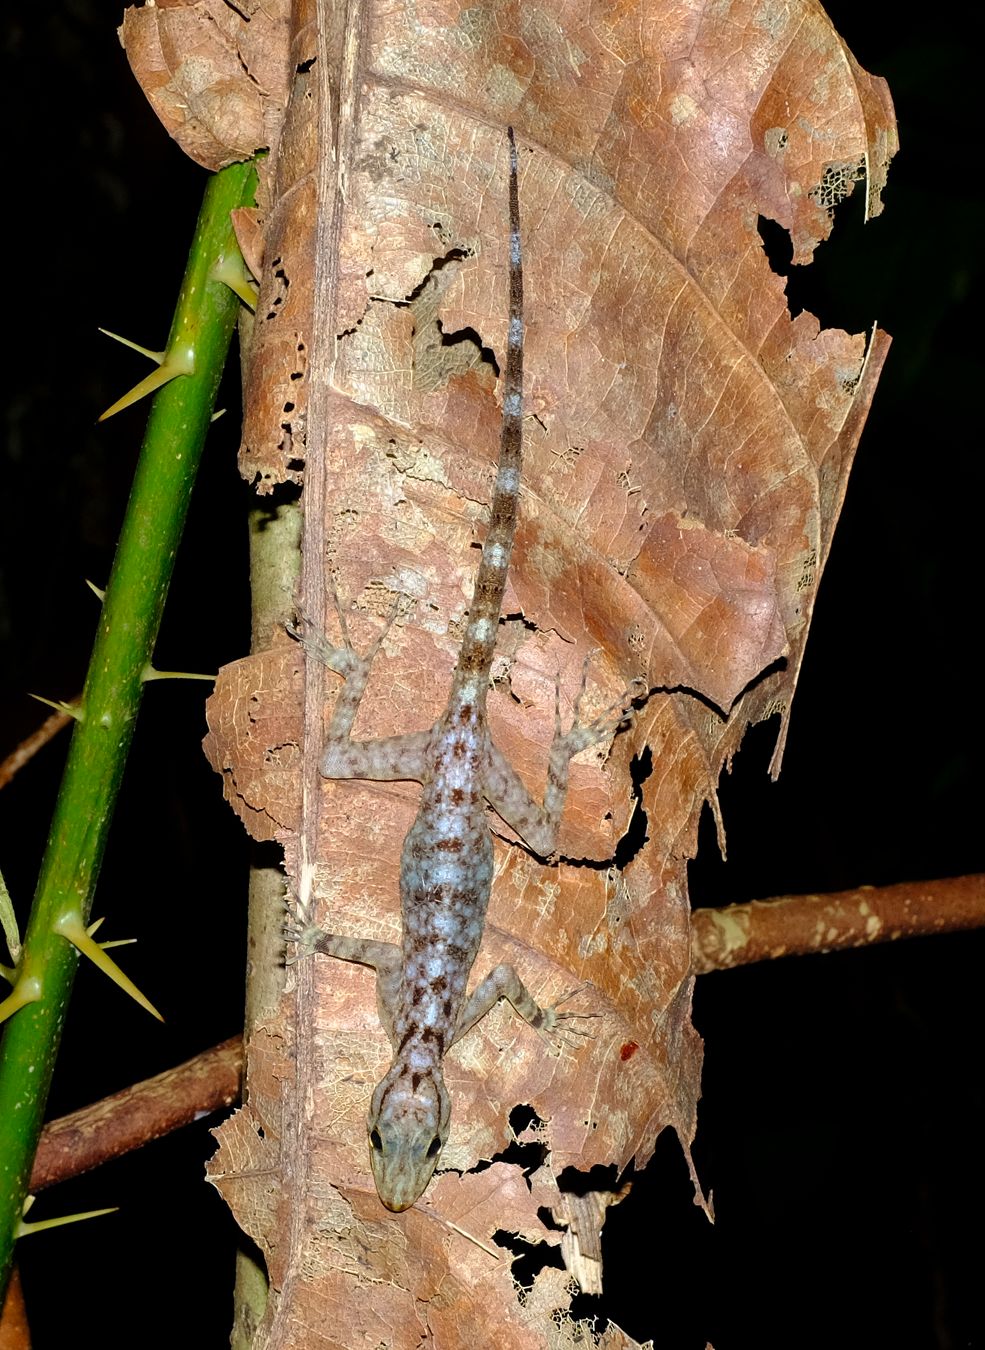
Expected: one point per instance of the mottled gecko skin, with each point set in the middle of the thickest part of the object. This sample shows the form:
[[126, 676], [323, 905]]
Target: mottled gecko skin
[[447, 862]]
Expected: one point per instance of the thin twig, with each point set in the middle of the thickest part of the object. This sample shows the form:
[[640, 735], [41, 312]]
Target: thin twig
[[146, 1111], [29, 747], [793, 925], [721, 938]]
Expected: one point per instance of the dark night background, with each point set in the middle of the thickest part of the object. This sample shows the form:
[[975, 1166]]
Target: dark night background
[[841, 1123]]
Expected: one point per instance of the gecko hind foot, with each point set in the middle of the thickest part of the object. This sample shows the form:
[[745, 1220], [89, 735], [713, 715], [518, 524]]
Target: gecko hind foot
[[297, 928], [582, 734], [343, 659], [552, 1018]]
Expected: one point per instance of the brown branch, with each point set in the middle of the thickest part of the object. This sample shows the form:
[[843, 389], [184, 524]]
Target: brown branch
[[30, 746], [720, 938], [146, 1111], [793, 925]]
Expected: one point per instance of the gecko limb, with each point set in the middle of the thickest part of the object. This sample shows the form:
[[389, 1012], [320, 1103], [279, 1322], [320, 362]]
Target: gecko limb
[[386, 759], [536, 824], [504, 982]]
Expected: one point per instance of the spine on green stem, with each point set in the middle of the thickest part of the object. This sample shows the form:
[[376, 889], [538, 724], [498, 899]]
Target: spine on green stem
[[58, 929]]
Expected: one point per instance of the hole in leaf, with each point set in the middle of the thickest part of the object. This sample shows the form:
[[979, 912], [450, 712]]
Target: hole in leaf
[[531, 1257], [640, 768], [674, 1255], [528, 1157], [777, 245], [602, 1177], [439, 264], [486, 354]]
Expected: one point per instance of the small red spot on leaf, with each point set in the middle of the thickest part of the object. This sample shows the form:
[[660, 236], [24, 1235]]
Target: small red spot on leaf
[[628, 1050]]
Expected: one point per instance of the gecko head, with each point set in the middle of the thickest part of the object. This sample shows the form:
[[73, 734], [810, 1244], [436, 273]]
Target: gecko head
[[408, 1125]]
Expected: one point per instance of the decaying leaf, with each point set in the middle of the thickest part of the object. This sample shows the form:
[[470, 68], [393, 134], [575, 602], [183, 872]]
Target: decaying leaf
[[687, 446], [581, 1241], [216, 76]]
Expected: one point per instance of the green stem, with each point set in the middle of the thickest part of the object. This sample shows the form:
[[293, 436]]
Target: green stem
[[128, 626]]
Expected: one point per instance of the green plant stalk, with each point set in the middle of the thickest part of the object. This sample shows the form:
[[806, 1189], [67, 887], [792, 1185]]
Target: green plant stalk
[[128, 627]]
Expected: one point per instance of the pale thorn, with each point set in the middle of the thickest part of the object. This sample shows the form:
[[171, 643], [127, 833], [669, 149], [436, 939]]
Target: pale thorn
[[156, 357], [116, 942], [149, 673], [26, 990], [69, 709], [231, 271], [70, 927], [175, 363], [26, 1229]]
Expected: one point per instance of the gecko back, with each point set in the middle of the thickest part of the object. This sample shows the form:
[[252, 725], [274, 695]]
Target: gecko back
[[447, 860]]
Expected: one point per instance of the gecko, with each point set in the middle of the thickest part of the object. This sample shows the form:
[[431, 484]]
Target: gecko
[[446, 865]]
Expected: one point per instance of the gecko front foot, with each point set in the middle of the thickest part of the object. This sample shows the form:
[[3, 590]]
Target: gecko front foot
[[303, 937], [295, 927]]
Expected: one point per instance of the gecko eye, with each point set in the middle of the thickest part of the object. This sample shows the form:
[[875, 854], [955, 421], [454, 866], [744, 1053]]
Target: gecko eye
[[434, 1148], [375, 1140]]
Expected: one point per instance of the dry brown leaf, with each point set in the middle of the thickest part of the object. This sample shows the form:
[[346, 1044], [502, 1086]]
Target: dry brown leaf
[[217, 76], [687, 450], [583, 1217], [254, 738]]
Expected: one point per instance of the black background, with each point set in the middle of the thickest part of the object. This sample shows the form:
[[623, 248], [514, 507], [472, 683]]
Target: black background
[[841, 1122]]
